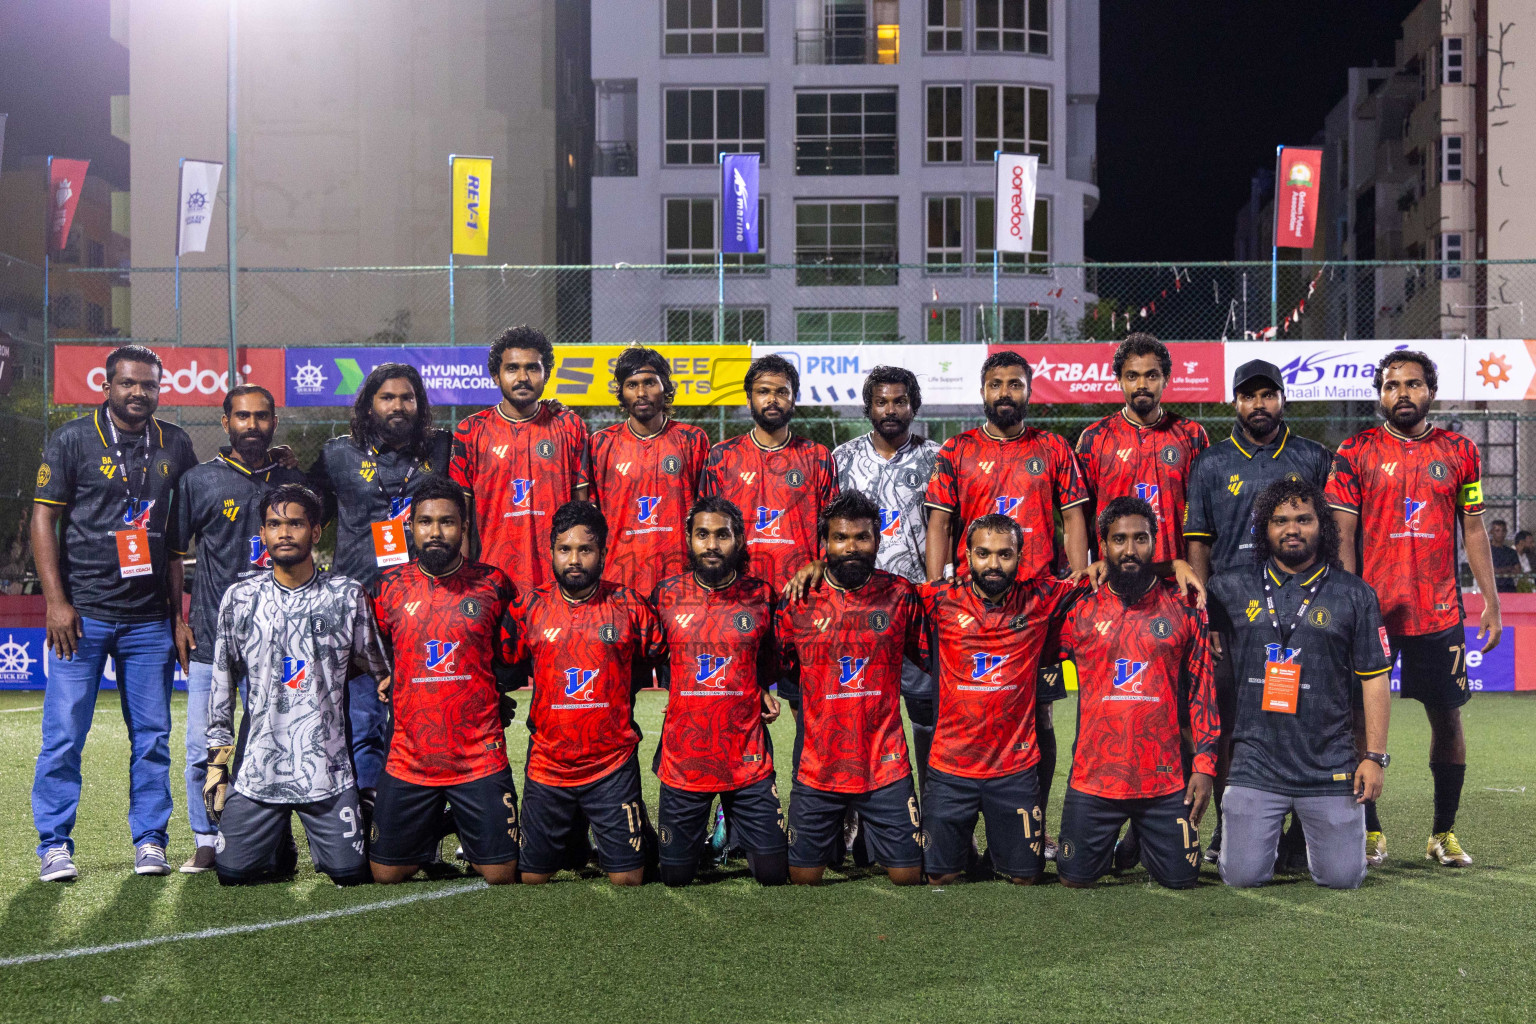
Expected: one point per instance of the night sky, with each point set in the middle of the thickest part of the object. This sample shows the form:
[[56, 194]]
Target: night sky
[[1194, 98]]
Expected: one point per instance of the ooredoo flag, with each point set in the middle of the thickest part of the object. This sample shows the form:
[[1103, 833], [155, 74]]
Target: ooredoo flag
[[1016, 177], [471, 205], [66, 180], [199, 185], [738, 202], [1298, 180]]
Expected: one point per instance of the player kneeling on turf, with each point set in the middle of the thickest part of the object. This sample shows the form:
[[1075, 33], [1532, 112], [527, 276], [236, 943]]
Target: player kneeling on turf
[[297, 635], [720, 661], [844, 645], [1143, 665], [441, 618], [589, 645]]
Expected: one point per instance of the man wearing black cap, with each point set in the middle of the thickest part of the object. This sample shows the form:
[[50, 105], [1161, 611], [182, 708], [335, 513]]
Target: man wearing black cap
[[1218, 526]]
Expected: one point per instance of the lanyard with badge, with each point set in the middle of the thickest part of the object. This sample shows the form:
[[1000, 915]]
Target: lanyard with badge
[[133, 555], [1282, 675], [389, 543]]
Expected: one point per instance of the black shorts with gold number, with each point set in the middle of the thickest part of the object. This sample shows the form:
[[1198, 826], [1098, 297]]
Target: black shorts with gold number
[[407, 817], [1434, 669]]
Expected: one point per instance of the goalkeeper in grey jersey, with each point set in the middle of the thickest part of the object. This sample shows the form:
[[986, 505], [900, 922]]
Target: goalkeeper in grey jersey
[[297, 635]]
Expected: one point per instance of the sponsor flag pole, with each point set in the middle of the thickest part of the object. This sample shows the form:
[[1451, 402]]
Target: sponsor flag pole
[[997, 252], [47, 250], [1013, 216], [181, 170], [470, 212], [725, 203], [738, 225], [1274, 251], [231, 133]]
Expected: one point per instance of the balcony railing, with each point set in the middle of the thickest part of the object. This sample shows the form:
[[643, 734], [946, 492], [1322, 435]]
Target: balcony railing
[[617, 159], [878, 45]]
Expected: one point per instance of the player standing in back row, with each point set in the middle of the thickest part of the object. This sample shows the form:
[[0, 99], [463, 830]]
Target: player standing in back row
[[1403, 486]]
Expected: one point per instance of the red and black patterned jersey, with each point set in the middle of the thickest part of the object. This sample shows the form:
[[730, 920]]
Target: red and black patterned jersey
[[519, 473], [443, 634], [780, 492], [1136, 664], [1120, 458], [988, 660], [1026, 478], [645, 486], [720, 657], [588, 658], [846, 648], [1407, 493]]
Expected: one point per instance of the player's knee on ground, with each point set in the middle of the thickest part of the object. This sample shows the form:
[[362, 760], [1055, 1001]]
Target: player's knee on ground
[[351, 879], [675, 876], [769, 868], [497, 874], [392, 874], [905, 876], [627, 878]]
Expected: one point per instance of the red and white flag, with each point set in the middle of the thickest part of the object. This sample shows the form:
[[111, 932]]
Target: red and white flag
[[66, 180], [1298, 182], [1015, 220]]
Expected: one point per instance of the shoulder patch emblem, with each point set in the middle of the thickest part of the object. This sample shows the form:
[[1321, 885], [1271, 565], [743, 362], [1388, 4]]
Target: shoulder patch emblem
[[44, 474]]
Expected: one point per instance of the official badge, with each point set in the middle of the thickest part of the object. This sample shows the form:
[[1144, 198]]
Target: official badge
[[1035, 465], [44, 474]]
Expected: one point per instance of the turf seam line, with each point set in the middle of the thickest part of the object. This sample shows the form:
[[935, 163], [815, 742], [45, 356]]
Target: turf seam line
[[241, 929], [12, 711]]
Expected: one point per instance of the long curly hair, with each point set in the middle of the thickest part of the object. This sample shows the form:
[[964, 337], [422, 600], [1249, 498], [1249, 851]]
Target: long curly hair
[[1279, 493], [365, 430]]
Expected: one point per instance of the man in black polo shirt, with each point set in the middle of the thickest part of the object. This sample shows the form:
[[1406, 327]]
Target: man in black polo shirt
[[1302, 632], [366, 479], [102, 532], [1218, 522], [217, 508]]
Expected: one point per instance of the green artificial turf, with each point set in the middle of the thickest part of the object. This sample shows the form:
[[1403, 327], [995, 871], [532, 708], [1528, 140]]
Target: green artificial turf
[[1418, 942]]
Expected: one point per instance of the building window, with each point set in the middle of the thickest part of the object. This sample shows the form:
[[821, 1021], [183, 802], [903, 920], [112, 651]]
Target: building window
[[829, 326], [846, 243], [945, 250], [1014, 262], [691, 241], [1450, 158], [696, 324], [95, 319], [714, 27], [946, 124], [66, 312], [1012, 26], [845, 132], [1449, 246], [703, 123], [1020, 323], [95, 253], [943, 323], [1013, 119], [1453, 68], [946, 26]]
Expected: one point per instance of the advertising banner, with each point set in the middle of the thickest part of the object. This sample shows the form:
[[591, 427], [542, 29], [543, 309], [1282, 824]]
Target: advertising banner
[[703, 374], [738, 202], [199, 185], [471, 204], [1086, 373], [834, 374], [66, 180], [1015, 205], [24, 662], [1329, 371], [192, 376], [1498, 369], [1298, 181]]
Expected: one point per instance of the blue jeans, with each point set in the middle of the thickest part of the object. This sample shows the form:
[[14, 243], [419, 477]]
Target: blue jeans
[[144, 658], [369, 719]]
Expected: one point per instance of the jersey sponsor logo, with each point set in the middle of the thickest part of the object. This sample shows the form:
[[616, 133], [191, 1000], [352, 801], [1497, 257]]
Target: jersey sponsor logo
[[551, 635], [623, 467], [964, 620], [1127, 673], [1162, 628], [1274, 652], [411, 606], [1147, 493], [258, 554], [890, 521], [1169, 455], [500, 450], [748, 477], [295, 672], [1386, 645], [136, 515], [1124, 453], [823, 623], [1235, 484], [522, 491], [986, 467], [1411, 510], [1006, 504], [1438, 471], [769, 521], [984, 666], [711, 671], [683, 619], [545, 449], [1102, 626], [850, 672], [1389, 468], [1252, 611], [400, 507], [440, 654], [578, 683], [648, 504]]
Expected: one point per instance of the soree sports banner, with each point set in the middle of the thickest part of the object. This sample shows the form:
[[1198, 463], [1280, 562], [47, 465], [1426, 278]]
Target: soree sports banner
[[456, 375], [738, 202], [192, 376], [1086, 373], [199, 185], [66, 180], [1015, 204], [1298, 179], [1328, 371], [471, 204], [834, 374]]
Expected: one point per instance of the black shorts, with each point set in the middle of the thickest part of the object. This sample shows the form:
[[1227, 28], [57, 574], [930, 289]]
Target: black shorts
[[1434, 670], [753, 817], [612, 804], [1050, 684], [407, 817], [1010, 806], [1170, 845], [888, 816], [789, 691], [255, 839]]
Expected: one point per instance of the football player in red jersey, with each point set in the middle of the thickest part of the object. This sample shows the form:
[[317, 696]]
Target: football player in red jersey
[[1143, 450], [520, 459], [441, 618], [1028, 475], [589, 645], [844, 646], [987, 629], [1143, 665], [1404, 486], [645, 474], [720, 660]]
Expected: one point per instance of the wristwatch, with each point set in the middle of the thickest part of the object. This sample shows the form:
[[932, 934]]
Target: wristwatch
[[1381, 759]]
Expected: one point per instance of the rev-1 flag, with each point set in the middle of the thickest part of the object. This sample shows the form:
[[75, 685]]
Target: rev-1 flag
[[1298, 178], [66, 180], [738, 202], [471, 205], [1015, 222], [199, 186]]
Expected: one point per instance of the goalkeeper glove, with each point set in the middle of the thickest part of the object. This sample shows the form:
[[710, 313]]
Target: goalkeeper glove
[[508, 709], [216, 787]]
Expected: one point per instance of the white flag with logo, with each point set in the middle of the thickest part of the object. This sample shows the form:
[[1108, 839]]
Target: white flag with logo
[[199, 185], [1015, 221]]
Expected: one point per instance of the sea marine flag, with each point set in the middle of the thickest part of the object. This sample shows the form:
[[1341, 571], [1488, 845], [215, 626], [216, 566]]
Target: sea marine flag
[[738, 202], [199, 186]]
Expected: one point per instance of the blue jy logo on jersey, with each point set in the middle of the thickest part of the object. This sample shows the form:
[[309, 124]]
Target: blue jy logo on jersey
[[521, 491], [440, 654], [711, 670], [259, 556], [890, 521], [648, 504], [850, 672], [768, 520], [400, 507], [983, 665], [1126, 672], [1411, 510], [1006, 505], [1147, 492], [1273, 652], [295, 672], [578, 683], [136, 515]]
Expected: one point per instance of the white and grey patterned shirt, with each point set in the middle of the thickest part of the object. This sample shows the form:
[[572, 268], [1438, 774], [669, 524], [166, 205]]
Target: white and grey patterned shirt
[[897, 485], [296, 648]]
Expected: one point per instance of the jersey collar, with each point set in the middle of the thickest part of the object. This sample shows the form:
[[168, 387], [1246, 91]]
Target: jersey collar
[[666, 422], [848, 590], [1281, 577], [99, 418], [912, 442], [451, 572], [1005, 440], [1162, 417], [1285, 435], [1405, 438], [728, 584], [240, 467], [752, 436], [519, 422]]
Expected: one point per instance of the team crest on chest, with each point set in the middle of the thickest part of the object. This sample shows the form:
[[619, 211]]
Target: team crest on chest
[[794, 478], [469, 608], [1319, 617], [672, 465], [1162, 628], [1018, 622], [879, 621], [545, 448], [744, 622], [319, 624], [1169, 455], [1438, 471], [1035, 465], [608, 633]]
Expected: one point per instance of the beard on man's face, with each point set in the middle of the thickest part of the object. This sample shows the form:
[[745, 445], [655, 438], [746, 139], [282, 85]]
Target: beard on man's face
[[251, 446], [436, 556], [851, 571], [771, 419], [574, 578], [396, 428], [712, 570], [1004, 413], [994, 582], [1127, 574]]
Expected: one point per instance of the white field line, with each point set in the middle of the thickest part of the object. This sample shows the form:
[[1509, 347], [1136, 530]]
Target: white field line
[[12, 711], [241, 929]]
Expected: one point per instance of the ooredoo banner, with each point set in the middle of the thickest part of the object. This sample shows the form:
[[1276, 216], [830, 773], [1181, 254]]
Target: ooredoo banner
[[192, 376], [834, 374], [1086, 373]]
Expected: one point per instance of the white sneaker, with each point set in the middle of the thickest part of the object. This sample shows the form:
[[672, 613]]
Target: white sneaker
[[58, 865]]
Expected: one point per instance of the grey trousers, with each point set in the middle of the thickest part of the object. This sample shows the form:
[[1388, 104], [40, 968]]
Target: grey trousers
[[1250, 835]]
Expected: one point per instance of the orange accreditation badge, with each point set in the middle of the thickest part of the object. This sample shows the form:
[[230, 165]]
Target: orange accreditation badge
[[389, 547], [1282, 686], [133, 553]]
